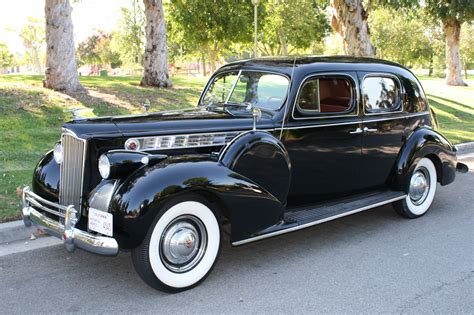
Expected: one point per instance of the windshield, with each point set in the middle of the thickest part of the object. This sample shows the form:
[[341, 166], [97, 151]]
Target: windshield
[[261, 89]]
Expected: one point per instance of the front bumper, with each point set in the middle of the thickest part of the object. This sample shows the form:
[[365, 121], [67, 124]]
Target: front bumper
[[66, 231]]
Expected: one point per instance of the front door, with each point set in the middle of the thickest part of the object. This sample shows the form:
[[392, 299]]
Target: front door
[[383, 126], [323, 139]]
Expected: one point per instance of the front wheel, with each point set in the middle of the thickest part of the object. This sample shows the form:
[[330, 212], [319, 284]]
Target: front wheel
[[180, 248], [421, 191]]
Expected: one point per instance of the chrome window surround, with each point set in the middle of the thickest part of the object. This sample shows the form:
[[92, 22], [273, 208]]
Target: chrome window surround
[[401, 92], [212, 79], [84, 142], [185, 141], [319, 115]]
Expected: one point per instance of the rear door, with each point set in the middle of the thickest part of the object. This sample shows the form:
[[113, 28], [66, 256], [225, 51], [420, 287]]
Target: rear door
[[383, 125], [323, 139]]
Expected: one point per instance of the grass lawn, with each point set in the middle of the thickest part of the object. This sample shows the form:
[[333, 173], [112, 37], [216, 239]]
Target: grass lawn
[[31, 117]]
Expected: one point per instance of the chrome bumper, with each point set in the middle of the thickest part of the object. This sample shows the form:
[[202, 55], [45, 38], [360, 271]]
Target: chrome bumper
[[66, 231]]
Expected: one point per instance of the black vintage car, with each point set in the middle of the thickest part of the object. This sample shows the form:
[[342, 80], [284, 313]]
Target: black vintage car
[[275, 145]]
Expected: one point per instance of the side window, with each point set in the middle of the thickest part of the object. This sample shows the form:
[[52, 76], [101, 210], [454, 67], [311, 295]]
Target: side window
[[380, 94], [326, 95]]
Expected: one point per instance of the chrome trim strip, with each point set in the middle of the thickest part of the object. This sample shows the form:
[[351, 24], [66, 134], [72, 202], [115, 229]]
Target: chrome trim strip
[[362, 121], [38, 205], [28, 193], [67, 132], [303, 226], [400, 93], [210, 134], [71, 236], [369, 117], [325, 115]]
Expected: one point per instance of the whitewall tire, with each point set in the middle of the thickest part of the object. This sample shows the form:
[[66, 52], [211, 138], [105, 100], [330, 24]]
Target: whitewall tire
[[421, 190], [181, 247]]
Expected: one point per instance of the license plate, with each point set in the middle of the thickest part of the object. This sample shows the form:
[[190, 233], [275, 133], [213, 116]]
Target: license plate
[[100, 221]]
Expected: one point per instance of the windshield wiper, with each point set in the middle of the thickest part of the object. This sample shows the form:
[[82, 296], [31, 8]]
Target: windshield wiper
[[243, 105]]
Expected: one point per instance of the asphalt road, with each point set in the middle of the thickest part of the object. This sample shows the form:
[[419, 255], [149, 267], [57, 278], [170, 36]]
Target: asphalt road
[[370, 262]]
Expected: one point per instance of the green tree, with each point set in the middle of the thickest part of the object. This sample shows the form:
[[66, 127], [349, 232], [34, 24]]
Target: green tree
[[281, 37], [96, 50], [210, 26], [452, 13], [129, 38], [467, 46], [392, 29], [33, 36], [6, 57]]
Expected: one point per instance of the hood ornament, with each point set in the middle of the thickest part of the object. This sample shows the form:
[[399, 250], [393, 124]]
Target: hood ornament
[[256, 113]]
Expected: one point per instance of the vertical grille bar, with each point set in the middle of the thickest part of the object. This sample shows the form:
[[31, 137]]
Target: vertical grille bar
[[72, 170]]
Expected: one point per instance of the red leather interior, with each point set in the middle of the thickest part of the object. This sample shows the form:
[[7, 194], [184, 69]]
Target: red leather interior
[[334, 95]]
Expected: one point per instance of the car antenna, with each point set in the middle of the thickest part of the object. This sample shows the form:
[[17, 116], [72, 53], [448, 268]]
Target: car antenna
[[288, 97]]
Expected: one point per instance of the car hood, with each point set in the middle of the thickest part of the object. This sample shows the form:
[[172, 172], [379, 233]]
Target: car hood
[[196, 120]]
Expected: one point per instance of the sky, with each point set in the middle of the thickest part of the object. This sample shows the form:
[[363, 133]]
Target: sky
[[87, 16]]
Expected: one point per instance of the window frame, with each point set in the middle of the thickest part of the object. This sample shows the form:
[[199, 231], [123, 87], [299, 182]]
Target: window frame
[[240, 70], [398, 108], [353, 110]]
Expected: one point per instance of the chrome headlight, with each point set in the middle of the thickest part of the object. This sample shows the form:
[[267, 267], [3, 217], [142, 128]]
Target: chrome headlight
[[58, 153], [104, 166]]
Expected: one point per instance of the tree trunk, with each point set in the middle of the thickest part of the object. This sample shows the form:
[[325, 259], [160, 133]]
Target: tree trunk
[[156, 63], [465, 70], [61, 69], [213, 56], [283, 43], [349, 19], [452, 30], [203, 57], [430, 66]]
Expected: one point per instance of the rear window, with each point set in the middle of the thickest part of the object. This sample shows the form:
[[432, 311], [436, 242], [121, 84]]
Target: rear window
[[326, 95], [380, 94]]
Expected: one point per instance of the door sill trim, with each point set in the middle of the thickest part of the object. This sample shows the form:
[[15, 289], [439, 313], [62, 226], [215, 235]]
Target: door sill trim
[[309, 224]]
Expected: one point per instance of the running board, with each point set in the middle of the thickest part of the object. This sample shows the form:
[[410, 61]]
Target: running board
[[303, 218]]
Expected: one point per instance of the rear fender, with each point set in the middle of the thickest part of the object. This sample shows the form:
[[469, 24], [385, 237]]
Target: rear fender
[[426, 142]]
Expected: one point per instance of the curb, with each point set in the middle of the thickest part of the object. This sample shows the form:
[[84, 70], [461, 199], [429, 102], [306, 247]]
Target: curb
[[15, 231], [465, 148]]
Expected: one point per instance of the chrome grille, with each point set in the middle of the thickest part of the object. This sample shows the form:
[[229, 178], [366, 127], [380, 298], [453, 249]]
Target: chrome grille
[[72, 170]]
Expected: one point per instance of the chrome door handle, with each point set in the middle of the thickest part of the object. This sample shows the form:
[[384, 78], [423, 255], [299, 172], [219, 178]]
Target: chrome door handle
[[357, 131], [369, 130]]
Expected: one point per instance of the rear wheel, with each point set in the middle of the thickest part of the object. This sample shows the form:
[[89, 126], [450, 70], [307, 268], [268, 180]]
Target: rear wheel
[[421, 191], [181, 247]]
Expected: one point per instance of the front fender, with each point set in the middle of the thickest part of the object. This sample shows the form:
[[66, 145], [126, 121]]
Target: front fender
[[45, 182], [249, 207], [424, 142]]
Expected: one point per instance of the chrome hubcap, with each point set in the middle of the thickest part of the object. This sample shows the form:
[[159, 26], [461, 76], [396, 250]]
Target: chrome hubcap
[[183, 243], [419, 186]]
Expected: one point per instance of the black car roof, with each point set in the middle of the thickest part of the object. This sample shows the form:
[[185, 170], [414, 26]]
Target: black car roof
[[323, 63]]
